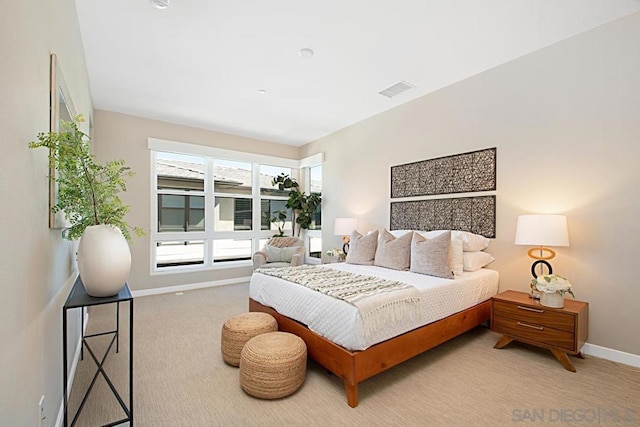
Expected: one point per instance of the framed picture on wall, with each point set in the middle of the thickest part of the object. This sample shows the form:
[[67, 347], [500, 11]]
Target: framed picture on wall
[[61, 109]]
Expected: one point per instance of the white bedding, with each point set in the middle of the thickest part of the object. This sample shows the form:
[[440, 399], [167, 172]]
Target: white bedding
[[341, 322]]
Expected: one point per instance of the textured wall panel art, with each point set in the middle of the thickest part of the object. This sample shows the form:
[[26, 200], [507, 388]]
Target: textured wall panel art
[[460, 173], [474, 214]]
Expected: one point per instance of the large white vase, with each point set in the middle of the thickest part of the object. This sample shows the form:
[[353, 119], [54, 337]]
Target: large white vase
[[104, 260]]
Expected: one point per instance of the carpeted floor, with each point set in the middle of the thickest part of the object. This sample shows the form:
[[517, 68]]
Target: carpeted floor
[[181, 380]]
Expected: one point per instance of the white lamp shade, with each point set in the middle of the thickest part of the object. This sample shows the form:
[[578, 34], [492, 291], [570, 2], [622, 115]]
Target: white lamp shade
[[542, 230], [344, 226]]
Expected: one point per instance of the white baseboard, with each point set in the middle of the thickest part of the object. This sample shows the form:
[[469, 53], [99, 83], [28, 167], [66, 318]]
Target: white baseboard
[[611, 354], [189, 287], [72, 370]]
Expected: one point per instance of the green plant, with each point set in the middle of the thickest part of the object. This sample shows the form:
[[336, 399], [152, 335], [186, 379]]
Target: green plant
[[87, 190], [279, 218], [302, 205]]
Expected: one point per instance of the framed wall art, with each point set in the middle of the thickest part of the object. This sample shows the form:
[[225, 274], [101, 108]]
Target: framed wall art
[[474, 214], [460, 173], [61, 109]]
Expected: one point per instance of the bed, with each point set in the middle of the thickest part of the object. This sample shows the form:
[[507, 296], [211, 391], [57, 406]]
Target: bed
[[343, 341]]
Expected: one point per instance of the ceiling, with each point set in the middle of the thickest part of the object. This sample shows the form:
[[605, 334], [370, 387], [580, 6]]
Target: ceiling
[[202, 63]]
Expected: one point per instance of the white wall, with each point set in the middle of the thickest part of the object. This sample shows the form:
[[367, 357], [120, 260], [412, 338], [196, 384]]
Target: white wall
[[36, 262], [120, 136], [566, 121]]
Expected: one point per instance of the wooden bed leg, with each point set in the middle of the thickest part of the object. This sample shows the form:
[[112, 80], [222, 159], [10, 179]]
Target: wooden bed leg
[[352, 393]]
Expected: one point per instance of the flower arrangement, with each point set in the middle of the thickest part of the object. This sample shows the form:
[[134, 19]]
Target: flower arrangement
[[337, 253], [552, 283]]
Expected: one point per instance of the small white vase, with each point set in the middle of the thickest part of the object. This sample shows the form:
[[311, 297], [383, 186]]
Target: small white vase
[[553, 300], [104, 260]]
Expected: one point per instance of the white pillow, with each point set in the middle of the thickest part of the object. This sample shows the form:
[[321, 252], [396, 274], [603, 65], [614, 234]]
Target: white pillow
[[473, 261], [399, 233], [472, 242], [275, 254]]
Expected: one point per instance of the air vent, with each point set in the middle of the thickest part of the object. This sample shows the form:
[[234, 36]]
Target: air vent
[[396, 89]]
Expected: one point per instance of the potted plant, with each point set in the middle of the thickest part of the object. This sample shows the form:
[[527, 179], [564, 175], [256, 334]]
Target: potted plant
[[552, 289], [279, 219], [303, 205], [88, 197]]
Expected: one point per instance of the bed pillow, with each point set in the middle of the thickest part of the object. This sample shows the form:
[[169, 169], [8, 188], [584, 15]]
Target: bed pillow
[[474, 261], [472, 242], [399, 233], [393, 252], [431, 256], [276, 254], [362, 249], [457, 246], [456, 253]]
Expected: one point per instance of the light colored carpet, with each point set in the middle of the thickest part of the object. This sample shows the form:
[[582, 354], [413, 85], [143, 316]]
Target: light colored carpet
[[180, 379]]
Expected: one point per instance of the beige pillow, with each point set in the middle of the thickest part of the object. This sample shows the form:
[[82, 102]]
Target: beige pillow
[[362, 249], [393, 252], [456, 261], [431, 256], [276, 254]]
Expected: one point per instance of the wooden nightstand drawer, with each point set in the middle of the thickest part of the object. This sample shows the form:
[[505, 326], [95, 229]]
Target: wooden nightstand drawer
[[538, 315], [534, 332]]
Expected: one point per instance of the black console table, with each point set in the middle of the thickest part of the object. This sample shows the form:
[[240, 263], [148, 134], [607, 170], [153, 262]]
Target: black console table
[[78, 298]]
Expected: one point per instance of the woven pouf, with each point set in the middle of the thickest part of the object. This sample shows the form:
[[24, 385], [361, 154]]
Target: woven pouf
[[237, 330], [273, 365]]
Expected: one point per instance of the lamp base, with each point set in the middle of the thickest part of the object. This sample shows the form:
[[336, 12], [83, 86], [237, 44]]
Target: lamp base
[[540, 262]]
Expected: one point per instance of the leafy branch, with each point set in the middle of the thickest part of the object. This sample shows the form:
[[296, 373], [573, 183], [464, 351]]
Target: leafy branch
[[87, 190], [302, 205]]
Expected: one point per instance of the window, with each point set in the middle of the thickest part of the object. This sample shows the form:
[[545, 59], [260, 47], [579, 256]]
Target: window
[[314, 234], [173, 253], [315, 187], [273, 201], [180, 188], [214, 207], [180, 213], [232, 214]]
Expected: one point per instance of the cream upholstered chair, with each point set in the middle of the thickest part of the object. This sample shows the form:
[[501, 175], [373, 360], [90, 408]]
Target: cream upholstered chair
[[280, 252]]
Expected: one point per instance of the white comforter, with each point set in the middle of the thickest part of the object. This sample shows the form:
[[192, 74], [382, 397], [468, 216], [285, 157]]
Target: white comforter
[[341, 322]]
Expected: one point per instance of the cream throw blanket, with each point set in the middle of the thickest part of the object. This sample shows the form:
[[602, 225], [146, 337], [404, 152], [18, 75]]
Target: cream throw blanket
[[370, 295]]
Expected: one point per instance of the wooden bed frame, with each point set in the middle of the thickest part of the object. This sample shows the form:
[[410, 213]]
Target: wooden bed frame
[[356, 366]]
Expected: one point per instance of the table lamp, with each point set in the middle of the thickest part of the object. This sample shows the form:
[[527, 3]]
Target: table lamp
[[542, 231], [343, 227]]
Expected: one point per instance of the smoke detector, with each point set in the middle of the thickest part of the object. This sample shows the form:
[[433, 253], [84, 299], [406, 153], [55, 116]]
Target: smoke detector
[[160, 4], [305, 53]]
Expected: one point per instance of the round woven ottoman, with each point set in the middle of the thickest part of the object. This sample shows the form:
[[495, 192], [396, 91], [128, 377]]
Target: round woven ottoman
[[273, 365], [237, 330]]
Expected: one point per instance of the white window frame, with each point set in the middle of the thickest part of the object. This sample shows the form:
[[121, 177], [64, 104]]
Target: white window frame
[[210, 235], [305, 166]]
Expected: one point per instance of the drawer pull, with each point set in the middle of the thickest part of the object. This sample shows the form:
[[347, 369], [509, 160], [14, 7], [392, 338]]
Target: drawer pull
[[539, 328], [535, 310]]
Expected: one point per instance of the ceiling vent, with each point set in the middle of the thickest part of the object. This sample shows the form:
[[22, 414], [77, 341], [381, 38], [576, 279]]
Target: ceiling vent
[[396, 89]]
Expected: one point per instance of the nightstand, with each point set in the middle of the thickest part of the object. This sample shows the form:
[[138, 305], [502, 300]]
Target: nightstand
[[561, 330]]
